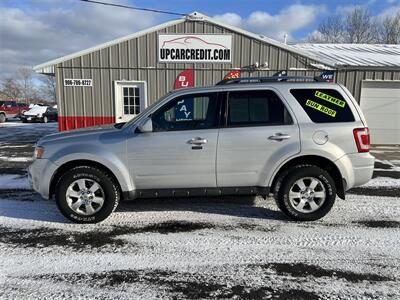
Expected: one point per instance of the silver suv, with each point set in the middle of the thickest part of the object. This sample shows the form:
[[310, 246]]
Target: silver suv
[[302, 142]]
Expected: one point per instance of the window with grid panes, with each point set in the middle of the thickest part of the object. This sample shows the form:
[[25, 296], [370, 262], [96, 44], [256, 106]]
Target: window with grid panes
[[131, 100]]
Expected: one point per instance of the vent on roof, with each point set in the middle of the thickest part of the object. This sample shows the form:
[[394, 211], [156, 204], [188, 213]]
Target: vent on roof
[[195, 16]]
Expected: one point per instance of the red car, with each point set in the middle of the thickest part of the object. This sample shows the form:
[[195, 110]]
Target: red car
[[12, 109]]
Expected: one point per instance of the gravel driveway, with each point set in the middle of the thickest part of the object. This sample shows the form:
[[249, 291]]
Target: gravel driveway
[[239, 247]]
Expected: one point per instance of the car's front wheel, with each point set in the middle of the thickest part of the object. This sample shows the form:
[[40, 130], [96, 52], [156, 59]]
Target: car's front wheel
[[2, 118], [45, 119], [306, 193], [86, 194]]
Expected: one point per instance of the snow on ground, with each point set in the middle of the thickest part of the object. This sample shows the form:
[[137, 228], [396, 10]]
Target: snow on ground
[[379, 182], [14, 182], [17, 123], [202, 248], [25, 132], [237, 247], [19, 159]]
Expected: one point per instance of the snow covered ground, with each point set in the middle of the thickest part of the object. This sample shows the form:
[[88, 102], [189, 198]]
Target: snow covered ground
[[197, 248]]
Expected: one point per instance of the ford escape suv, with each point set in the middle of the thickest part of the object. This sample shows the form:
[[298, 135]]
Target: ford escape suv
[[302, 142]]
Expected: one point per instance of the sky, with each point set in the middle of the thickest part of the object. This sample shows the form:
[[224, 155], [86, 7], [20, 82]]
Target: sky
[[36, 31]]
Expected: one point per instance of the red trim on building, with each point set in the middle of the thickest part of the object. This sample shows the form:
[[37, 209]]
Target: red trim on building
[[68, 123]]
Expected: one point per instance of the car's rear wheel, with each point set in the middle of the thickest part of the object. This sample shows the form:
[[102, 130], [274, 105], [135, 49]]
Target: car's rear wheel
[[2, 118], [45, 119], [306, 193], [87, 194]]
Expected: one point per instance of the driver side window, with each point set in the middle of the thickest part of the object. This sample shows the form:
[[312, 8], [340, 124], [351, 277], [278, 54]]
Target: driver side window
[[189, 112]]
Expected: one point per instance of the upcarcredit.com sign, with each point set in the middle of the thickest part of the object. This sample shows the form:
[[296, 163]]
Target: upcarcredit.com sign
[[189, 48]]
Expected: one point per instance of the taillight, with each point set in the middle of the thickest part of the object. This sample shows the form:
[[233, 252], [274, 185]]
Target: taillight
[[361, 136]]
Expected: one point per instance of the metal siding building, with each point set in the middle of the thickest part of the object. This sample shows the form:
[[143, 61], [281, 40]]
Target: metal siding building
[[358, 62], [133, 60]]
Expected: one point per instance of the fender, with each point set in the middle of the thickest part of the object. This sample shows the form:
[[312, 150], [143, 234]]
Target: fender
[[329, 151], [99, 154]]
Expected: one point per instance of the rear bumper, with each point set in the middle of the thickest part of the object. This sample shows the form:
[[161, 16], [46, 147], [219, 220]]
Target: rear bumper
[[40, 173], [356, 168]]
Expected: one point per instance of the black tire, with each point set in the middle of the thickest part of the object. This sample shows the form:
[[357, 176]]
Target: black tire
[[24, 121], [2, 118], [45, 119], [109, 187], [286, 182]]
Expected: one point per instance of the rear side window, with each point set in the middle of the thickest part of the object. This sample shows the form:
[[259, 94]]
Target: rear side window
[[256, 108], [323, 105]]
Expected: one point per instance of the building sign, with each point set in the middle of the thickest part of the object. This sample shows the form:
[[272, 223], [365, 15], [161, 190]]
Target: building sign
[[185, 79], [190, 48], [77, 82]]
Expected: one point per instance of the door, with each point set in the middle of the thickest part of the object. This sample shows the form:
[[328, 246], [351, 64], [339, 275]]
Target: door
[[258, 133], [181, 150], [130, 99], [380, 103], [11, 109]]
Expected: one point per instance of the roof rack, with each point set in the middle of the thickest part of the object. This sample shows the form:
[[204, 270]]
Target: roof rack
[[270, 79]]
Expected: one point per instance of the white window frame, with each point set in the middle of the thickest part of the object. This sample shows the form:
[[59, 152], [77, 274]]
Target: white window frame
[[118, 97]]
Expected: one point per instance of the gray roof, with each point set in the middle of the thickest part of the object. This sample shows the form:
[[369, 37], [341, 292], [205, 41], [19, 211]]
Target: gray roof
[[329, 56], [48, 67], [355, 55]]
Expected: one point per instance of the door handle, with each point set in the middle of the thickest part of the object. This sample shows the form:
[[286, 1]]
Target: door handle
[[197, 141], [279, 137]]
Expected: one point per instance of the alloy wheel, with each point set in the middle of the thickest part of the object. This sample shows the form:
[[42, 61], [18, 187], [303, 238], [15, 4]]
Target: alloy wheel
[[85, 196], [307, 194]]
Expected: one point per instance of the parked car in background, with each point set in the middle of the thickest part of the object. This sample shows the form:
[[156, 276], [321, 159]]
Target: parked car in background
[[12, 109], [50, 115], [40, 113]]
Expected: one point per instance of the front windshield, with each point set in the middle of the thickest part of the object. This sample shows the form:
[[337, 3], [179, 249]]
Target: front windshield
[[144, 111]]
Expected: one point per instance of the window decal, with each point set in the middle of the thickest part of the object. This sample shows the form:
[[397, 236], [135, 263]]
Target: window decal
[[324, 105], [321, 108], [330, 99], [184, 110]]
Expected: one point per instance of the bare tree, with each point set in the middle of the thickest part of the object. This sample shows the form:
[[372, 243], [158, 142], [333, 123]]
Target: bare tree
[[360, 27], [48, 87], [389, 31], [25, 82], [20, 85], [357, 26], [10, 88], [331, 30]]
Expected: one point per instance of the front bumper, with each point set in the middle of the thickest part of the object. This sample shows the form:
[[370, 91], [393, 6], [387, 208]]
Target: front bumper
[[30, 118], [40, 173], [356, 168]]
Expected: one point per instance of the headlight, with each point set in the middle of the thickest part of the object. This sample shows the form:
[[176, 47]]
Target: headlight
[[39, 151]]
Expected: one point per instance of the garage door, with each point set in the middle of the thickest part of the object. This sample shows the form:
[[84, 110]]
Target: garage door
[[380, 102]]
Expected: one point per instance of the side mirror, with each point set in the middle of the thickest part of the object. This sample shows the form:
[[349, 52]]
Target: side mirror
[[146, 126]]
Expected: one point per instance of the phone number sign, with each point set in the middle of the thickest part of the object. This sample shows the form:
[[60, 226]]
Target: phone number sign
[[77, 82]]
